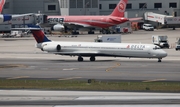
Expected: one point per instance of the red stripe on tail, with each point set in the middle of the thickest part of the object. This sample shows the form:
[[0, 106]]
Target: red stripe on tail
[[120, 9], [2, 2]]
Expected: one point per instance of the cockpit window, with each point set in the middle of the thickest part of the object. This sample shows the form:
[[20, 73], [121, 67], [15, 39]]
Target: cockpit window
[[156, 47]]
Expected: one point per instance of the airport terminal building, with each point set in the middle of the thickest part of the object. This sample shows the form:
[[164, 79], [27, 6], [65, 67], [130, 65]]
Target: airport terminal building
[[135, 8]]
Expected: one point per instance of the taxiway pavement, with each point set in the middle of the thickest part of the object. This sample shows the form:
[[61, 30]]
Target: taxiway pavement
[[31, 62], [20, 59], [40, 97]]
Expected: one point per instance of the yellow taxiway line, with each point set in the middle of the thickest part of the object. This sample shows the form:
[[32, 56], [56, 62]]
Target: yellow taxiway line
[[110, 68]]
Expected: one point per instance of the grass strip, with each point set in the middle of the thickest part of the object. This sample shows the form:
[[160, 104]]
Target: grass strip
[[94, 85]]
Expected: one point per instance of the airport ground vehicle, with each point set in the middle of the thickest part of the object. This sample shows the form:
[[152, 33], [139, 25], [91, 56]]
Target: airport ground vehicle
[[148, 27], [5, 28], [177, 44], [111, 38], [162, 20], [160, 41], [16, 34]]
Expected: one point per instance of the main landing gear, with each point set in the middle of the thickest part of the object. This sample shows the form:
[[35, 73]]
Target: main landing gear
[[91, 31], [106, 31], [92, 58], [159, 59], [80, 58]]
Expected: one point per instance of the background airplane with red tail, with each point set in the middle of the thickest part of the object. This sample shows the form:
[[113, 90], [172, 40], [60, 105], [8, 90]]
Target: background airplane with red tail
[[104, 22]]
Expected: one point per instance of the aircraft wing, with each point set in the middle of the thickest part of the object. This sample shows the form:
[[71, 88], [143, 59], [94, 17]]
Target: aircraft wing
[[136, 19], [77, 24]]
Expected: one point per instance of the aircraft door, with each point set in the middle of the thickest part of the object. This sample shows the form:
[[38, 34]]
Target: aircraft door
[[61, 20], [149, 51]]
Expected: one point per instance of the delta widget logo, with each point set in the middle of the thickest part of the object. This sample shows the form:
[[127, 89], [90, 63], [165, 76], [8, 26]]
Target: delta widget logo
[[122, 6]]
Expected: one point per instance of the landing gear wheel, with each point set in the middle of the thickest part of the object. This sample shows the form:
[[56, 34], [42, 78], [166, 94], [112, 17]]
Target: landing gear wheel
[[103, 31], [90, 32], [75, 33], [80, 59], [159, 60], [92, 58]]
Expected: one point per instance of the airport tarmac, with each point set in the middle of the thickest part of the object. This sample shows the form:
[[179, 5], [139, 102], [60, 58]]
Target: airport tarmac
[[20, 59], [84, 98], [31, 62], [102, 69]]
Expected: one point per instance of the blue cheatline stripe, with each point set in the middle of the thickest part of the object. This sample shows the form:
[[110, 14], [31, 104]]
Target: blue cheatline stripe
[[7, 17]]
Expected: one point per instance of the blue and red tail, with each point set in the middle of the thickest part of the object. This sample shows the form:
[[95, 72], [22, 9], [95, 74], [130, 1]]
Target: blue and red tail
[[38, 34], [2, 2]]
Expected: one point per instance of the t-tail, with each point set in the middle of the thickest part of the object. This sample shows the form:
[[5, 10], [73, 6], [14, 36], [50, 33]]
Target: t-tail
[[38, 34], [2, 2], [120, 9]]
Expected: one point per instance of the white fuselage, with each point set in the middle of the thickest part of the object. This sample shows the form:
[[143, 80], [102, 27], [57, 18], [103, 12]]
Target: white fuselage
[[103, 49]]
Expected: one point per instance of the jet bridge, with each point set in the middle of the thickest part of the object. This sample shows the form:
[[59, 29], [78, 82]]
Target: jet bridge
[[159, 18], [23, 21], [162, 20]]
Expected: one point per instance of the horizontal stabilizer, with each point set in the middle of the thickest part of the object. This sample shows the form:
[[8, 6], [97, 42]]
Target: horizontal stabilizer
[[136, 19]]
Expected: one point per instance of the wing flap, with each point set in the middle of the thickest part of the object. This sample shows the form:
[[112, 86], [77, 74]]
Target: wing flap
[[77, 24]]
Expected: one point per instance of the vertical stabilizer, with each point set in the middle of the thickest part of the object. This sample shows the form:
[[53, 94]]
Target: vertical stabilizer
[[2, 2], [120, 9], [38, 34]]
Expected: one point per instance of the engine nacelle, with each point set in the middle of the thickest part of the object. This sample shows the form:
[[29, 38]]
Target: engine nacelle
[[5, 17], [51, 48], [58, 48], [58, 27]]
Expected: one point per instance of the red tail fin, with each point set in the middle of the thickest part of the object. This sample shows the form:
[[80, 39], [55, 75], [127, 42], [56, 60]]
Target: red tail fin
[[2, 2], [120, 9]]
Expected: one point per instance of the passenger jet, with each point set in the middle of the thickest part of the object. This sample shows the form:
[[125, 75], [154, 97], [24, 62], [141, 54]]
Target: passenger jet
[[94, 49], [104, 22]]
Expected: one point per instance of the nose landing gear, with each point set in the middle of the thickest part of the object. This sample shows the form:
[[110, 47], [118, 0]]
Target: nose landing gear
[[159, 59]]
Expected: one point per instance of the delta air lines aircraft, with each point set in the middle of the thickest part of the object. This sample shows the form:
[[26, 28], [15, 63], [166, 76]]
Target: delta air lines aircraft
[[94, 49]]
